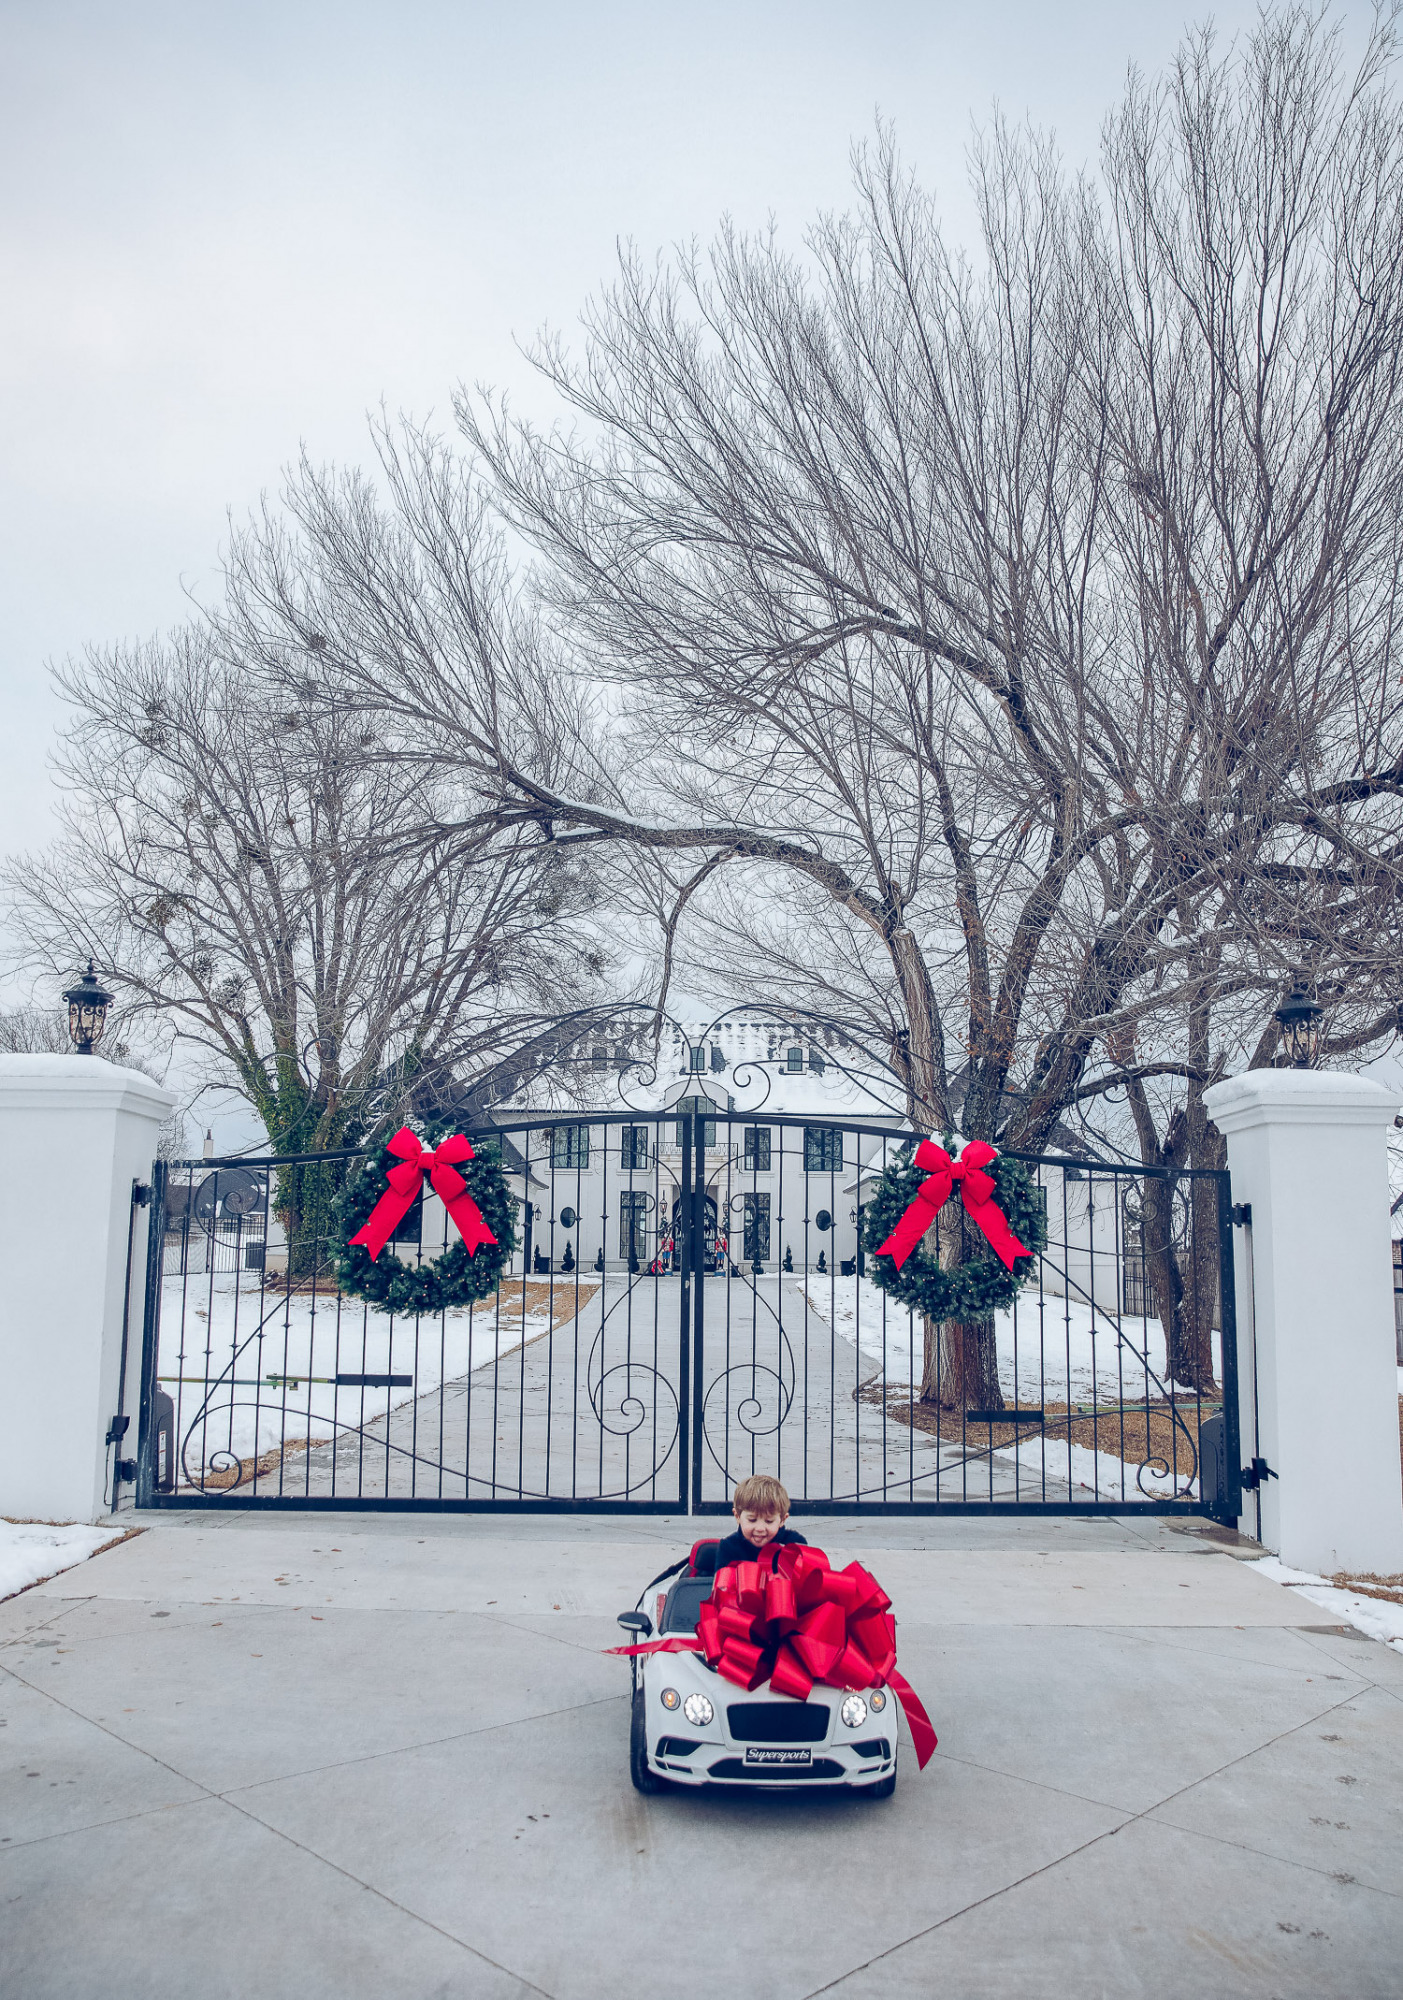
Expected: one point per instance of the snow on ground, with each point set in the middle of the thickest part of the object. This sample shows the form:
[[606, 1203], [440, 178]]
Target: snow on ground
[[1374, 1615], [1051, 1350], [1096, 1472], [246, 1379], [33, 1550]]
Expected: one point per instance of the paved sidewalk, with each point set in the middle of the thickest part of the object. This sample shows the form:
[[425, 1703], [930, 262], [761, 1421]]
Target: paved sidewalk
[[340, 1755]]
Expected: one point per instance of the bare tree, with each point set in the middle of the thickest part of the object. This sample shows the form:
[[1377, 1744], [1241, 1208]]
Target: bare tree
[[33, 1031], [254, 877], [1033, 615]]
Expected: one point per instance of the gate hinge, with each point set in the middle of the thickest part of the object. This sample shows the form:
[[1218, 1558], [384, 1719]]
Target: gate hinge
[[141, 1194], [1257, 1474], [117, 1430], [126, 1471], [1242, 1214]]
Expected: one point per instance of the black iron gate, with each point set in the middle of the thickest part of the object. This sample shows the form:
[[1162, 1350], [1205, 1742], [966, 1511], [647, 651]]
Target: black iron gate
[[690, 1300]]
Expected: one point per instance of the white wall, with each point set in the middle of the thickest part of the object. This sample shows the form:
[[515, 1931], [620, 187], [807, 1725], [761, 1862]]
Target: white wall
[[1307, 1150], [75, 1132]]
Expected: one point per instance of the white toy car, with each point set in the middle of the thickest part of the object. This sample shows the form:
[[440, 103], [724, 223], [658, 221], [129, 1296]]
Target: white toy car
[[692, 1726]]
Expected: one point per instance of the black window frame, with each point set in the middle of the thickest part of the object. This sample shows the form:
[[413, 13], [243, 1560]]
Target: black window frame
[[755, 1149], [569, 1148], [755, 1226], [694, 1105], [823, 1149], [633, 1149], [633, 1223]]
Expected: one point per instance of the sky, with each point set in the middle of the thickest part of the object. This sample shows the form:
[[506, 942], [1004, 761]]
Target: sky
[[230, 231]]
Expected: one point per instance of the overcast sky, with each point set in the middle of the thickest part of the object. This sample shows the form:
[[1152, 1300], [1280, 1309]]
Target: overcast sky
[[228, 230]]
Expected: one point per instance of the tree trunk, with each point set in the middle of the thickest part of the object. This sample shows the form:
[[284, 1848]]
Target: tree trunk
[[961, 1370], [961, 1365]]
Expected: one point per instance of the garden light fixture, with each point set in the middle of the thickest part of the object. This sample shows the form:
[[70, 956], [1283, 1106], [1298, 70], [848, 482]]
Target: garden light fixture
[[88, 1002], [1301, 1021]]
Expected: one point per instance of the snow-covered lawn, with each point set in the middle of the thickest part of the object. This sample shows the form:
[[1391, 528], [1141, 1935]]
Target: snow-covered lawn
[[1051, 1350], [33, 1550], [258, 1369], [1377, 1616]]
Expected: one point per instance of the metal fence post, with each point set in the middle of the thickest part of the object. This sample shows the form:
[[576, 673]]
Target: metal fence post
[[151, 1341], [1232, 1427]]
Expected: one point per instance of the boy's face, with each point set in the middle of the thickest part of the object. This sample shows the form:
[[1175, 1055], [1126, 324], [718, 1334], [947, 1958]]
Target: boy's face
[[759, 1528]]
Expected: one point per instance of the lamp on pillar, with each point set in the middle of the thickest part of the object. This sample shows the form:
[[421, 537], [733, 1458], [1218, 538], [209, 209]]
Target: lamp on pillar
[[1301, 1020], [88, 1002]]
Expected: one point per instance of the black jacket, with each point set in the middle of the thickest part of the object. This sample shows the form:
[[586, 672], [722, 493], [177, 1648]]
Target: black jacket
[[736, 1549]]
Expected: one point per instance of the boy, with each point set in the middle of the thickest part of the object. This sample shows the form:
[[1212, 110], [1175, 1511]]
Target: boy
[[761, 1508]]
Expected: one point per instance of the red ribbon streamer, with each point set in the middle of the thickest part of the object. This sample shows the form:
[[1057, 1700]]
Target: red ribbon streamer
[[405, 1182], [976, 1191], [790, 1619]]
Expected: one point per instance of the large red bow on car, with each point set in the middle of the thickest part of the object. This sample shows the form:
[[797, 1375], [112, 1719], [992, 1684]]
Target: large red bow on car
[[405, 1181], [976, 1191], [790, 1619]]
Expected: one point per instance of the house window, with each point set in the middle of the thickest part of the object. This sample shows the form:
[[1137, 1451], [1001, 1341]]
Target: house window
[[794, 1059], [633, 1225], [756, 1221], [823, 1149], [633, 1146], [599, 1057], [698, 1059], [757, 1148], [569, 1146], [695, 1104]]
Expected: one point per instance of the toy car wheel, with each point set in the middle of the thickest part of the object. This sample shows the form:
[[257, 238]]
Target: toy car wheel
[[644, 1780], [883, 1788]]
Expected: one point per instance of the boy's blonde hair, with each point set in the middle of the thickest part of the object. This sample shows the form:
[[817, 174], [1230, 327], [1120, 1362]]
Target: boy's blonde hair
[[760, 1495]]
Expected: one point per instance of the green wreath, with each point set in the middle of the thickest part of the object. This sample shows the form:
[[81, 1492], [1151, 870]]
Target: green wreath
[[457, 1278], [972, 1290]]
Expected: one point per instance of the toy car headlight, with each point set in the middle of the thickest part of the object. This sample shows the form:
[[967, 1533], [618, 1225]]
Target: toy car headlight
[[877, 1701], [698, 1710], [854, 1711], [671, 1698]]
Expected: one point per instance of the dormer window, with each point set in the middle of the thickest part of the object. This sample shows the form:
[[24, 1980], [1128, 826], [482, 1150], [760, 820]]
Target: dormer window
[[794, 1059], [698, 1059]]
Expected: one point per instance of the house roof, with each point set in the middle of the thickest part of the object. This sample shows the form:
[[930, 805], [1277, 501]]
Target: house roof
[[746, 1068]]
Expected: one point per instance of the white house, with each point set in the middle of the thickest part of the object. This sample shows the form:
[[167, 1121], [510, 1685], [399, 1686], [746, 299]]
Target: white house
[[784, 1173]]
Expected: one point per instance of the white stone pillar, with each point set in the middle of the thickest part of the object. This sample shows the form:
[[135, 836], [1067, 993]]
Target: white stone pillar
[[75, 1132], [1308, 1150]]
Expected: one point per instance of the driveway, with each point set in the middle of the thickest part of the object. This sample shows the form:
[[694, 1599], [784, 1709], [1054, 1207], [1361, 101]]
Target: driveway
[[344, 1755]]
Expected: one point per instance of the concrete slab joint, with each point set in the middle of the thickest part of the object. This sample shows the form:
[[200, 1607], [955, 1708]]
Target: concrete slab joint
[[75, 1132], [1307, 1151]]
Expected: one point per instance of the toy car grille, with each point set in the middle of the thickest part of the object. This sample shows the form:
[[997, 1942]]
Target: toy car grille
[[777, 1721], [736, 1768]]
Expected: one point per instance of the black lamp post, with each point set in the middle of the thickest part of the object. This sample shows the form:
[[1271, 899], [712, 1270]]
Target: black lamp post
[[1301, 1021], [88, 1002]]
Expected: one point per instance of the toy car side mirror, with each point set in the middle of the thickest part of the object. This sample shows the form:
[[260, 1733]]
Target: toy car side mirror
[[636, 1621]]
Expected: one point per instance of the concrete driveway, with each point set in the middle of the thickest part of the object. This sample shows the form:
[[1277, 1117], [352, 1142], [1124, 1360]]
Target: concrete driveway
[[346, 1755]]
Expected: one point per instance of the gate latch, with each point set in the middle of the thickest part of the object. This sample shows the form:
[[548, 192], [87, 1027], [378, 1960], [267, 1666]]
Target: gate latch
[[1242, 1219], [1257, 1474]]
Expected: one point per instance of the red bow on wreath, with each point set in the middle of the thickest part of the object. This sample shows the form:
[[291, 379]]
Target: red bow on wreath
[[976, 1191], [405, 1182], [791, 1620]]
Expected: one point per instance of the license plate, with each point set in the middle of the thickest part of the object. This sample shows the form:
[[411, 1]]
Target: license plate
[[779, 1756]]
